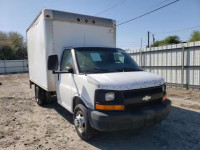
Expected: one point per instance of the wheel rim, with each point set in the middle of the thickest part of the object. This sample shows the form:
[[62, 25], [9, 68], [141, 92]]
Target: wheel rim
[[79, 122]]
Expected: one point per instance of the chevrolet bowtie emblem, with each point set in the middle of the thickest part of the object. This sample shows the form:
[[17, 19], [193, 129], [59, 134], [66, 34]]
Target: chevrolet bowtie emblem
[[146, 98]]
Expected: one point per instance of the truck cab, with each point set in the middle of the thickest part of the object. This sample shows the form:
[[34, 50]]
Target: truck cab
[[107, 91]]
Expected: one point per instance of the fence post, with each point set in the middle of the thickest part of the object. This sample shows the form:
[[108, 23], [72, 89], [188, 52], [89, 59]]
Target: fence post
[[4, 64], [140, 58], [188, 68], [23, 65], [182, 69], [150, 59]]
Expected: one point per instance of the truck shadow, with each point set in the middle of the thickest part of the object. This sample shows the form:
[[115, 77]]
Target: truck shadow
[[61, 110], [180, 130]]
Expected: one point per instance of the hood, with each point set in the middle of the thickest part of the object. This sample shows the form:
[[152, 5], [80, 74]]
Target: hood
[[125, 80]]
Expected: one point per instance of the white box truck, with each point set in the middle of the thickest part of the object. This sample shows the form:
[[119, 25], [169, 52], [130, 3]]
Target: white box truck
[[74, 57]]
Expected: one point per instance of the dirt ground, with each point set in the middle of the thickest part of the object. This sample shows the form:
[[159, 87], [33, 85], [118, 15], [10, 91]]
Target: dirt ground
[[25, 125]]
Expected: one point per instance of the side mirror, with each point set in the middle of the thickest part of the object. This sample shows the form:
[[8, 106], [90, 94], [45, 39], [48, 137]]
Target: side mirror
[[53, 62]]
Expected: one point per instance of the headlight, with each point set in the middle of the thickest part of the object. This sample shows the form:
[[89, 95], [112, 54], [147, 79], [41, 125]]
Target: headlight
[[110, 96]]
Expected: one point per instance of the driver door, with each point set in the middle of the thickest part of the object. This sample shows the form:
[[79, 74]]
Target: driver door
[[64, 83]]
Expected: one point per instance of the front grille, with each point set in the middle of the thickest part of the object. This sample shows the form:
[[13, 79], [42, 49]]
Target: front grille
[[133, 99], [142, 92], [143, 105]]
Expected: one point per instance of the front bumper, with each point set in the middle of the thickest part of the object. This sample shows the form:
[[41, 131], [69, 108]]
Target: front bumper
[[113, 121]]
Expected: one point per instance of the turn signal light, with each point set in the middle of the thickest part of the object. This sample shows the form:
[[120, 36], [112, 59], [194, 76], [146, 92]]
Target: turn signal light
[[109, 107], [164, 98]]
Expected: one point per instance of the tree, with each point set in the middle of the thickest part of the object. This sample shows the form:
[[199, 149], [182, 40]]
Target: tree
[[195, 36], [22, 52], [15, 41], [3, 37], [12, 46], [168, 40], [6, 52]]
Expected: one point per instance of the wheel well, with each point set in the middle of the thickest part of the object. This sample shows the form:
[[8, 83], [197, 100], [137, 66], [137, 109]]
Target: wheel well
[[76, 101]]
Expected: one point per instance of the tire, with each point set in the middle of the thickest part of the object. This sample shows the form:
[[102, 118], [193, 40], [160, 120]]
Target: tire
[[40, 95], [48, 98], [81, 123]]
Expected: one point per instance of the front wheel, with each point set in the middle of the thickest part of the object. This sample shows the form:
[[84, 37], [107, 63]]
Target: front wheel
[[81, 123]]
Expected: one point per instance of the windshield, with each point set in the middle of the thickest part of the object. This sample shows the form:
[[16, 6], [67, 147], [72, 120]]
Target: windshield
[[97, 60]]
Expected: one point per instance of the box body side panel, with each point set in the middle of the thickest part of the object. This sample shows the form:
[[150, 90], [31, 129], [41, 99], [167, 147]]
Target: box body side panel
[[38, 51]]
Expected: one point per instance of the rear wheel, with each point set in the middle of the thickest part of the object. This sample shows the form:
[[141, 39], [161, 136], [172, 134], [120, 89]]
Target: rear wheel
[[40, 95], [81, 123]]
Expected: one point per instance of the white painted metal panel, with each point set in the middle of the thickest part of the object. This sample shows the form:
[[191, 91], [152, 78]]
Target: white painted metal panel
[[1, 64], [164, 62], [2, 70], [14, 63], [172, 57], [13, 66]]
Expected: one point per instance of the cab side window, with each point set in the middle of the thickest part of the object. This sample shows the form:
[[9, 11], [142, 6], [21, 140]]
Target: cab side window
[[67, 61]]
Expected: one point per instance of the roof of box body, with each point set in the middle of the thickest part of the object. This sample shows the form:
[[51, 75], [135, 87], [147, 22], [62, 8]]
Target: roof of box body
[[72, 17]]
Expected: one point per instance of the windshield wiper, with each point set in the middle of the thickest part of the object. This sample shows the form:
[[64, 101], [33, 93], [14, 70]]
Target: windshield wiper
[[97, 70], [128, 69]]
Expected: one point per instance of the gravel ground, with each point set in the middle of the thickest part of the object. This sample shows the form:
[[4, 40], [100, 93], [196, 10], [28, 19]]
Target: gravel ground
[[24, 125]]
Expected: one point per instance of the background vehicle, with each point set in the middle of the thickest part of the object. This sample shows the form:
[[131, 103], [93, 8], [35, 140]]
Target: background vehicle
[[75, 57]]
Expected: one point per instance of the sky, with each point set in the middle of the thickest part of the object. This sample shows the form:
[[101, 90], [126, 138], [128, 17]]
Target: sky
[[17, 15]]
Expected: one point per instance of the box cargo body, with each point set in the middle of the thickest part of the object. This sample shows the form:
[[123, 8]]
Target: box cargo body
[[52, 31]]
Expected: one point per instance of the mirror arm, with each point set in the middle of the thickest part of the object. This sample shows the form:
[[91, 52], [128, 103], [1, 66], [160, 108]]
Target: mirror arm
[[59, 72]]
